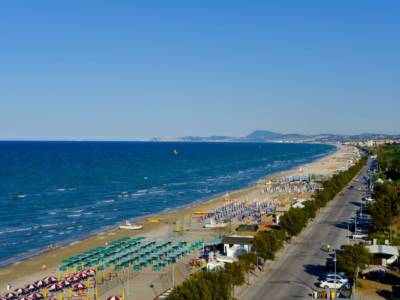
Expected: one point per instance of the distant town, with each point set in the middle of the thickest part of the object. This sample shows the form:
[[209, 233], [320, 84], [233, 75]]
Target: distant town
[[361, 140]]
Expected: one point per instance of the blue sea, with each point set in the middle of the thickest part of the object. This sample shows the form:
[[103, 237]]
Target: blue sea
[[57, 192]]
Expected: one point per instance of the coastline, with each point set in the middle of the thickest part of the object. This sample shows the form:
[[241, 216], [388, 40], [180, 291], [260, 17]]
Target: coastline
[[140, 218], [16, 272]]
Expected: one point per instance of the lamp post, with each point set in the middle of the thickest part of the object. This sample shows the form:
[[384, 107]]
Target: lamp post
[[335, 271]]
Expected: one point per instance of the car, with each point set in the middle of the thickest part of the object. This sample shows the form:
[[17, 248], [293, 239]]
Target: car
[[367, 198], [338, 277], [359, 236], [331, 284]]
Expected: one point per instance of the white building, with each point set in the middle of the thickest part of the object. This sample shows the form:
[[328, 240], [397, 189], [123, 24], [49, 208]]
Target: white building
[[235, 245]]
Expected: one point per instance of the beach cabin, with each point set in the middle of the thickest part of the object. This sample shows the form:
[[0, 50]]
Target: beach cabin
[[234, 245]]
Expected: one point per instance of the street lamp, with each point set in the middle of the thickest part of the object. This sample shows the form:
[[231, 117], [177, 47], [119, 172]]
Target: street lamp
[[335, 260]]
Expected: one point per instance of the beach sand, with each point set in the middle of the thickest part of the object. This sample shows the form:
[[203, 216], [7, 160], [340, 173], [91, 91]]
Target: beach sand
[[23, 272]]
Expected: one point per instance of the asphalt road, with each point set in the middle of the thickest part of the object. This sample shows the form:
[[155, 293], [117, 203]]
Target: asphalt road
[[297, 271]]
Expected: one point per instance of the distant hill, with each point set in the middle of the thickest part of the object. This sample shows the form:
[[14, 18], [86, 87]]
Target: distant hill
[[269, 135]]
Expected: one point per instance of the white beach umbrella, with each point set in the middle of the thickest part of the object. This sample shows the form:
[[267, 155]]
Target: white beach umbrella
[[20, 291], [50, 280], [31, 287], [114, 298], [35, 296], [79, 286], [90, 272], [55, 287], [10, 296], [74, 279], [40, 283], [65, 283]]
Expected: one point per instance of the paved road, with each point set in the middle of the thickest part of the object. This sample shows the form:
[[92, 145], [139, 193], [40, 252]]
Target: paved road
[[296, 273]]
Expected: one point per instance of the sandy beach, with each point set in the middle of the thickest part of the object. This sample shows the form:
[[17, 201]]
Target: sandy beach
[[21, 273]]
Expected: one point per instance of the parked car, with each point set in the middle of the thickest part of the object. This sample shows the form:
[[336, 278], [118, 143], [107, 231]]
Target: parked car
[[367, 199], [338, 277], [331, 284], [359, 236]]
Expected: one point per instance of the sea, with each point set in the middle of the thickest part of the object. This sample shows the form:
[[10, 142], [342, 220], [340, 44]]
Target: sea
[[53, 193]]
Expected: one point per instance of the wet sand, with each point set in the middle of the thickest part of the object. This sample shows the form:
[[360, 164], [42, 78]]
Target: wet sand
[[23, 272]]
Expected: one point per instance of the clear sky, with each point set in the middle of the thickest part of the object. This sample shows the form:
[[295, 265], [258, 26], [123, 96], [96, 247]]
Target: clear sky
[[138, 69]]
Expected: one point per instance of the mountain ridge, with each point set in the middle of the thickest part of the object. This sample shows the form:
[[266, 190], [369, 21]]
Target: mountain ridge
[[271, 136]]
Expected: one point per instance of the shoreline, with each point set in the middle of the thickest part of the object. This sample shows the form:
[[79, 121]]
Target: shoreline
[[71, 241], [16, 271]]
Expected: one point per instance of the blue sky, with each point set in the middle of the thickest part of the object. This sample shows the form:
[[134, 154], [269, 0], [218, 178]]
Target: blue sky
[[138, 69]]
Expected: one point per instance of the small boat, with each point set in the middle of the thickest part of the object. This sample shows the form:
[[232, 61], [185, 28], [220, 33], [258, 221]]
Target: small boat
[[214, 225], [130, 226]]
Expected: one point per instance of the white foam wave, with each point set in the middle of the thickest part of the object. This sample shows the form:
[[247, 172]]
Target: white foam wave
[[16, 230], [74, 216]]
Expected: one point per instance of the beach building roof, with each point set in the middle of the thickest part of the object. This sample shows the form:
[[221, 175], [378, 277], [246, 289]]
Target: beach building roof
[[247, 227], [238, 240], [383, 249]]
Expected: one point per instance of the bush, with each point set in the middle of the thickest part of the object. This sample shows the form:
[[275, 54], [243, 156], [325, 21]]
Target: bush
[[351, 258], [267, 243]]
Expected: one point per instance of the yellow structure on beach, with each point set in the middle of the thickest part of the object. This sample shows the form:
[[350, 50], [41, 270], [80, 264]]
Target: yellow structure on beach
[[153, 220], [201, 212]]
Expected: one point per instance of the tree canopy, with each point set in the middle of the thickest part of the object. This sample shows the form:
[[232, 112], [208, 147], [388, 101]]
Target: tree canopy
[[351, 258]]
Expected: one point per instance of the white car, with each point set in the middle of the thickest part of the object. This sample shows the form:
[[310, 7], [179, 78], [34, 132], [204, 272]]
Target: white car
[[338, 277], [331, 284], [359, 236], [368, 199]]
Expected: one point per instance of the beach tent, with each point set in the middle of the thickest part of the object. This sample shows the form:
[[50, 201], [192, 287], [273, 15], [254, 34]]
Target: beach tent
[[114, 298]]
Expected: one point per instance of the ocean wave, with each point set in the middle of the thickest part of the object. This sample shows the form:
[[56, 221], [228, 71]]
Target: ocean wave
[[49, 225], [74, 216], [16, 230]]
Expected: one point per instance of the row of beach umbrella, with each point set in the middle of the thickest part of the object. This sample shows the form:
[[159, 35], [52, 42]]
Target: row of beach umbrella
[[32, 291]]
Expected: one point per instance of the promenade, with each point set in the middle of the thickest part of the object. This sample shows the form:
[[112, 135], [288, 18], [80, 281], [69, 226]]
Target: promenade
[[295, 274]]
